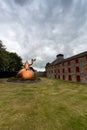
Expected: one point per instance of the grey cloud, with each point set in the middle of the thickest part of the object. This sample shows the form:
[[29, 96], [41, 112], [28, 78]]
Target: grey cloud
[[80, 12], [66, 3], [59, 6], [23, 2], [44, 28]]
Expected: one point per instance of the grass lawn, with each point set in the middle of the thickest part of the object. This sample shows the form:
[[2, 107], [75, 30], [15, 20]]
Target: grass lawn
[[48, 105]]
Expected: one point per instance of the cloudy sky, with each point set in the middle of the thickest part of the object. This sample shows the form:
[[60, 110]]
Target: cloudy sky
[[42, 29]]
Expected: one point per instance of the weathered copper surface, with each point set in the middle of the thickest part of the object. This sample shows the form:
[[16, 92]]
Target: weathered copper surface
[[26, 72]]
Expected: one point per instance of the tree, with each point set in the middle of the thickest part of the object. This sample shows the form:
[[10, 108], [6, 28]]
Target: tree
[[3, 56], [15, 62], [9, 62]]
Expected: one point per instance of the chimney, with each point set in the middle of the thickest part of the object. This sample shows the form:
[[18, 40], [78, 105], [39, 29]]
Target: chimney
[[60, 56]]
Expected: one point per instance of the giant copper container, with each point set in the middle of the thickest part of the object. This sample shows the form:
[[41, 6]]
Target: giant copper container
[[26, 72]]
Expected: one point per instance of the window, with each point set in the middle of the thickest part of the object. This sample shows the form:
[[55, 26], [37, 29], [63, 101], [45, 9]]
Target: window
[[55, 76], [78, 78], [86, 68], [68, 63], [58, 71], [69, 70], [62, 64], [77, 69], [59, 65], [63, 77], [70, 77], [55, 70], [58, 76], [63, 70], [77, 60], [86, 58], [54, 66]]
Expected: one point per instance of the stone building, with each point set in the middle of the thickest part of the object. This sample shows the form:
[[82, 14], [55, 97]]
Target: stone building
[[73, 68]]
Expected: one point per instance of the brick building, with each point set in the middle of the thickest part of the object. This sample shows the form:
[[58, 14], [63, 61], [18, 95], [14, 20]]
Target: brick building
[[73, 68]]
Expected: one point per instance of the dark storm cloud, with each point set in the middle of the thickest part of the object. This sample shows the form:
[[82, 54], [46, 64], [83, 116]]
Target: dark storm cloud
[[43, 28], [23, 2], [66, 3]]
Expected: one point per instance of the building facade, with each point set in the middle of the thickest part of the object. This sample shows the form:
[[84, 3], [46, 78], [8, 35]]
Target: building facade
[[73, 68]]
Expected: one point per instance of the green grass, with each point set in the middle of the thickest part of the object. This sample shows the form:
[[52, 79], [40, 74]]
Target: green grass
[[48, 105]]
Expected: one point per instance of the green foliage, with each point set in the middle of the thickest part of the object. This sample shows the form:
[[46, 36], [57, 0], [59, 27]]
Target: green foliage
[[9, 61], [2, 56], [15, 62]]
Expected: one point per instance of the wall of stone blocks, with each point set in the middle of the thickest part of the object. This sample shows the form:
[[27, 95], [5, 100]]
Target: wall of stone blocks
[[61, 71]]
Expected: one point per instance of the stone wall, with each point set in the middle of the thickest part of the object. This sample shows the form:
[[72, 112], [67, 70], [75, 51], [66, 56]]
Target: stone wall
[[73, 70], [41, 74]]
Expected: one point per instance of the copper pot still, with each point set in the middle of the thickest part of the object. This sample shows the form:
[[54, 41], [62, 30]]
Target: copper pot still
[[26, 72]]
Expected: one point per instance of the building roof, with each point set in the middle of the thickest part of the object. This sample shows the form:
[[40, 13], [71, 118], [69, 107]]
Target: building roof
[[61, 59], [57, 61], [77, 56]]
